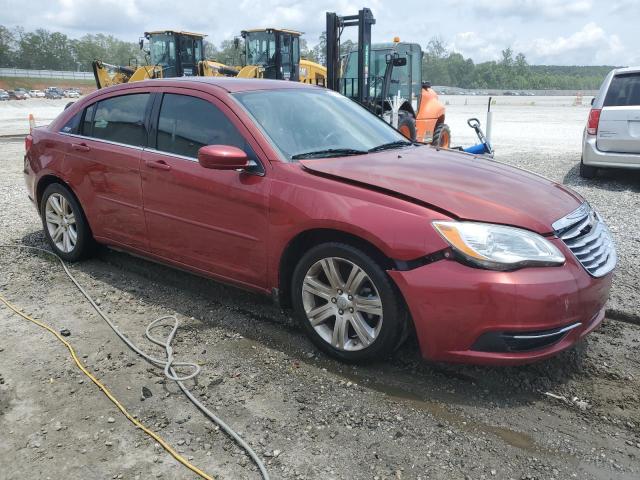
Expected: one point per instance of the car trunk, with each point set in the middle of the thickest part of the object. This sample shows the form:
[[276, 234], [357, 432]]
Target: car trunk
[[619, 127]]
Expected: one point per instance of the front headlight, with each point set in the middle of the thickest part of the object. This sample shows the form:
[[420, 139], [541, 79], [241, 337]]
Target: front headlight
[[497, 247]]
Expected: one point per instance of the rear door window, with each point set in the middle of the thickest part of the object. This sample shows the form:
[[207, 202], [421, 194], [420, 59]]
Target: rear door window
[[624, 91], [121, 119], [73, 125], [188, 123]]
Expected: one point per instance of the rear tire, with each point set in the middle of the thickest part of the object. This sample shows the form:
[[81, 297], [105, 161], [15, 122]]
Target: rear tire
[[407, 125], [65, 224], [442, 136], [587, 171], [344, 324]]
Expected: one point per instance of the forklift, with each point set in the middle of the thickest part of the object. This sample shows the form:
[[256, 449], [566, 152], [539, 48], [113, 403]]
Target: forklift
[[386, 78]]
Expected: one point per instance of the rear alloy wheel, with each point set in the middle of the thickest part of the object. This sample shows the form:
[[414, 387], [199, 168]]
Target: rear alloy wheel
[[587, 171], [64, 223], [441, 136], [346, 303]]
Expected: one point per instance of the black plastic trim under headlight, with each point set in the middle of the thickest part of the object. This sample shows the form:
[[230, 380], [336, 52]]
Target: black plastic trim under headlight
[[502, 342]]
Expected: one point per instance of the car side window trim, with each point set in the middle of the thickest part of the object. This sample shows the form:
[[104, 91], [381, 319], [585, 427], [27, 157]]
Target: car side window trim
[[101, 140]]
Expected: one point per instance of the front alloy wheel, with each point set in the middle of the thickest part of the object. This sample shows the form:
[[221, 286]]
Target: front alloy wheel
[[342, 304], [347, 303]]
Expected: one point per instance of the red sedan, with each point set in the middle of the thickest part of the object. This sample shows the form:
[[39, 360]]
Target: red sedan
[[295, 191]]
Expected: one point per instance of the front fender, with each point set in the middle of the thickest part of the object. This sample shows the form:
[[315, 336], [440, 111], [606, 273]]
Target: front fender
[[302, 201]]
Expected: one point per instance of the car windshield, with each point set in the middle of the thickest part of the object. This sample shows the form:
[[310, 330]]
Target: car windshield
[[316, 123]]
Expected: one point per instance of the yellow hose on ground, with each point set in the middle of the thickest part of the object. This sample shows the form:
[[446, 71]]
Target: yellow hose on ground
[[109, 395]]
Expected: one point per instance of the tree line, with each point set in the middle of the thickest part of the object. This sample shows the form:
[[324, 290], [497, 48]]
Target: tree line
[[441, 66], [44, 49]]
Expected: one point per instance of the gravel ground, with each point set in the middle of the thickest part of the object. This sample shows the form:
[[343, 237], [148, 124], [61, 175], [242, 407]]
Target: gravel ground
[[575, 416], [14, 114]]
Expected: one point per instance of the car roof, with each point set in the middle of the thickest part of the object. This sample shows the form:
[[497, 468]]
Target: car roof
[[229, 84], [621, 71]]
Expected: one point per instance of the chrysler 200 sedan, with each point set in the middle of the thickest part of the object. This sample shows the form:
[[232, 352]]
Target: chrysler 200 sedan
[[295, 191]]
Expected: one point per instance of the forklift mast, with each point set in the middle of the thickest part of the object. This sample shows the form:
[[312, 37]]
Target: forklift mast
[[335, 25]]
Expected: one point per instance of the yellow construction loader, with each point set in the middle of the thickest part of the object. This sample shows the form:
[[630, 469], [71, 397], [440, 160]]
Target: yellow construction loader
[[269, 53]]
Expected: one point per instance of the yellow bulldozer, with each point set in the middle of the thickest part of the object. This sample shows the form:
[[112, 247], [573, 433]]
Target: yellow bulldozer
[[269, 53]]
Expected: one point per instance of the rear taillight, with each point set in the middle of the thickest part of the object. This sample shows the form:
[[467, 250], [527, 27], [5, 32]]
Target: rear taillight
[[594, 120], [28, 142]]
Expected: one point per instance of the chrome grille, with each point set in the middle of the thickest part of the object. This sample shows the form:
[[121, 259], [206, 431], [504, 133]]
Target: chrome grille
[[589, 239]]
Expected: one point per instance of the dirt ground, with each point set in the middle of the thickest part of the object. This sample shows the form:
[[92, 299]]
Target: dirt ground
[[308, 416]]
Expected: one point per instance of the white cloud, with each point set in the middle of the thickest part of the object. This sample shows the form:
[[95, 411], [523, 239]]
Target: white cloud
[[481, 47], [527, 9], [553, 31], [591, 44]]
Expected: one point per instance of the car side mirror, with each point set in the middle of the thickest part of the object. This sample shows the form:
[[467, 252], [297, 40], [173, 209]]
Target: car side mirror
[[593, 100], [222, 157], [399, 61]]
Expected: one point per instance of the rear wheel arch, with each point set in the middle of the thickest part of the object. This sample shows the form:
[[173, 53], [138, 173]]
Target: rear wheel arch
[[47, 180], [302, 242]]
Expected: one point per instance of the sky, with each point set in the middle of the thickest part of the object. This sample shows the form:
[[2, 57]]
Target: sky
[[554, 32]]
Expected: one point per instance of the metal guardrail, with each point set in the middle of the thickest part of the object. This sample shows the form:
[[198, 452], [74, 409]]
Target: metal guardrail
[[25, 73]]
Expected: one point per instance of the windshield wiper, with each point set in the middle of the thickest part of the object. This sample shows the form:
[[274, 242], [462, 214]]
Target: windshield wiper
[[390, 145], [329, 152]]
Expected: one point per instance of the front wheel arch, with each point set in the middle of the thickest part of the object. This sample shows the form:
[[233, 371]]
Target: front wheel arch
[[308, 239], [395, 317]]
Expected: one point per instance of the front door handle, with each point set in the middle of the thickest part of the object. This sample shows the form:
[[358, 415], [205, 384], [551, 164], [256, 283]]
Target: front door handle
[[160, 165], [81, 147]]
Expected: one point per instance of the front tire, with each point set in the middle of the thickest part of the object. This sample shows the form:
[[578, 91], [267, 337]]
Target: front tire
[[441, 136], [347, 304], [65, 224]]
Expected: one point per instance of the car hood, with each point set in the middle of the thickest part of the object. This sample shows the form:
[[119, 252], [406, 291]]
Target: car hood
[[457, 184]]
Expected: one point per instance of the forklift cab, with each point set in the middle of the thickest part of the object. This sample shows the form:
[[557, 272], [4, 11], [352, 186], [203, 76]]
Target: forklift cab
[[178, 53], [276, 51], [404, 77]]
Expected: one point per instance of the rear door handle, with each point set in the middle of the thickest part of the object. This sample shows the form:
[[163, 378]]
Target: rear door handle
[[81, 147], [160, 165]]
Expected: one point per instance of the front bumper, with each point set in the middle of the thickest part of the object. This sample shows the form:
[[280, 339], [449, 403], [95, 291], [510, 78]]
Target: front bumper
[[597, 158], [454, 307]]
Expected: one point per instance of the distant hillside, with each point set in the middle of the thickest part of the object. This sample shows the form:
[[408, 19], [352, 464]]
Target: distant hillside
[[443, 67], [574, 70]]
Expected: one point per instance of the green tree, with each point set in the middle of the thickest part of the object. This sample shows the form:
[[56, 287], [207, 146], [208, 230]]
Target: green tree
[[108, 49], [7, 47], [522, 67], [231, 52], [319, 52]]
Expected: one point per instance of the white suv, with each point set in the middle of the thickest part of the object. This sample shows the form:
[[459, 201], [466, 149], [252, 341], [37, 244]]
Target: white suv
[[612, 135]]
